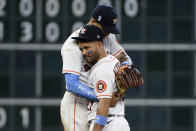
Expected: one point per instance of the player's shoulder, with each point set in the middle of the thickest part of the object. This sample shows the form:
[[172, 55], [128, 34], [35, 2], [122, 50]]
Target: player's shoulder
[[70, 43], [110, 37], [110, 59], [110, 40], [106, 64], [69, 40]]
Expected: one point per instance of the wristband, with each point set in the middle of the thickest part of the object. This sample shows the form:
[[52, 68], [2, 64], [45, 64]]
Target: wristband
[[125, 63], [101, 120]]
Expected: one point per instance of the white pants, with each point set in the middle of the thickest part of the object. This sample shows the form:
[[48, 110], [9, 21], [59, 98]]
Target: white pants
[[114, 124], [74, 113]]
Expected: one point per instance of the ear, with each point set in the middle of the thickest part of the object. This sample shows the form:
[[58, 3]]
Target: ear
[[93, 21], [97, 44], [100, 44]]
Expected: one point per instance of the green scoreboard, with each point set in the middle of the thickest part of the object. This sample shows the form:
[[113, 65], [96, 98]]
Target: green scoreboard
[[31, 83], [43, 21]]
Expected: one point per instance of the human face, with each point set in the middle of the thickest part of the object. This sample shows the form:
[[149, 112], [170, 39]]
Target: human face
[[90, 51]]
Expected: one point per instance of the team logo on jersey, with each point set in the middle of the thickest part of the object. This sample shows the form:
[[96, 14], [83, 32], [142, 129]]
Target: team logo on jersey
[[101, 86]]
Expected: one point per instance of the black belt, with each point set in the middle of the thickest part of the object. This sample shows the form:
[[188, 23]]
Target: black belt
[[113, 115]]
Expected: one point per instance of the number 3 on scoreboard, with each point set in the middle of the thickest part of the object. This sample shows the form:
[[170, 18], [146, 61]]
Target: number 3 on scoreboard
[[27, 31]]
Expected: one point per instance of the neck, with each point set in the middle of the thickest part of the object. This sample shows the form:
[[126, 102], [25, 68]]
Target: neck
[[102, 54]]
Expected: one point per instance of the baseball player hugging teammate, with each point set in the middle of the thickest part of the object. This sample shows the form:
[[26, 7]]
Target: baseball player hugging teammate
[[102, 80], [76, 71]]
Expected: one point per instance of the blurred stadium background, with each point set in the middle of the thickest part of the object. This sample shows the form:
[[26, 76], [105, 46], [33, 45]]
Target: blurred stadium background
[[159, 35]]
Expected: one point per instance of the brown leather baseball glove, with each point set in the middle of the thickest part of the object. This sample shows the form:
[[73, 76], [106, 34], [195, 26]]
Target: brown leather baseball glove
[[127, 77]]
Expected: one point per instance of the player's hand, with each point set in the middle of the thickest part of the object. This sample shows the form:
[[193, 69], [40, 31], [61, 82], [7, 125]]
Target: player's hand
[[115, 98]]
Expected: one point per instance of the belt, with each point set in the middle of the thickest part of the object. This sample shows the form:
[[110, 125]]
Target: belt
[[113, 115]]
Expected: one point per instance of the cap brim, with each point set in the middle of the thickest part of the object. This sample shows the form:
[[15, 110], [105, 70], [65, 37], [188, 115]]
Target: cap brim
[[113, 30], [84, 38]]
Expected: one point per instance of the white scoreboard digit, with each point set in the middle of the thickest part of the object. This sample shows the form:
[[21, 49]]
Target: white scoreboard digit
[[3, 117], [54, 20], [1, 31], [2, 7]]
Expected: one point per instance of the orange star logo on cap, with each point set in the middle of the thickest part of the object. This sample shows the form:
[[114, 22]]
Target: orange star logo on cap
[[115, 21]]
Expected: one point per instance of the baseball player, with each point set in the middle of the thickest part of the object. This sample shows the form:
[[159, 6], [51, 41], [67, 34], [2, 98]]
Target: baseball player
[[74, 103], [102, 81]]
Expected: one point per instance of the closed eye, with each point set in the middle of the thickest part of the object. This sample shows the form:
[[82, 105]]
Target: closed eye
[[86, 47], [80, 49]]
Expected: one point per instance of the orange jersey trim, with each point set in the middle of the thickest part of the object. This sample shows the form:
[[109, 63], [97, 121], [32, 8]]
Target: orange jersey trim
[[117, 42], [75, 115], [77, 32], [70, 71], [104, 95], [117, 52]]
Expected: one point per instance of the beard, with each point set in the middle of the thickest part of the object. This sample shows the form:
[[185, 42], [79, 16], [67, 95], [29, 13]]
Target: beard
[[93, 58]]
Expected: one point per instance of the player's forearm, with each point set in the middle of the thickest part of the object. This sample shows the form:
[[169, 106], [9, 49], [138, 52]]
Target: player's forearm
[[123, 57], [97, 127], [102, 114], [103, 106], [74, 86]]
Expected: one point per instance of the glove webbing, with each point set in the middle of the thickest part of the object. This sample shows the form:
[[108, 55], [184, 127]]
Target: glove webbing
[[125, 78], [130, 77], [139, 79]]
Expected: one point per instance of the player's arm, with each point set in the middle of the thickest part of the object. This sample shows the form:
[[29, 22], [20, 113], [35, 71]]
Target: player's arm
[[124, 58], [105, 86], [117, 50], [76, 87], [72, 59], [115, 98], [102, 114]]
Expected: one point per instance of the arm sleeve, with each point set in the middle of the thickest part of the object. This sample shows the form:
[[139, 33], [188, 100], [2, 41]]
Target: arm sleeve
[[104, 83], [74, 86], [116, 48], [71, 57]]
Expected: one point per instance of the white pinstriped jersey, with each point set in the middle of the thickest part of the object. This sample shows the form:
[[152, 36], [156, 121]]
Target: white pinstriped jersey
[[73, 108], [73, 61], [102, 79]]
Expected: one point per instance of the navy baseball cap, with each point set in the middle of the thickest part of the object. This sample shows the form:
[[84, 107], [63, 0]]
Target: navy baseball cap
[[107, 17], [90, 33]]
